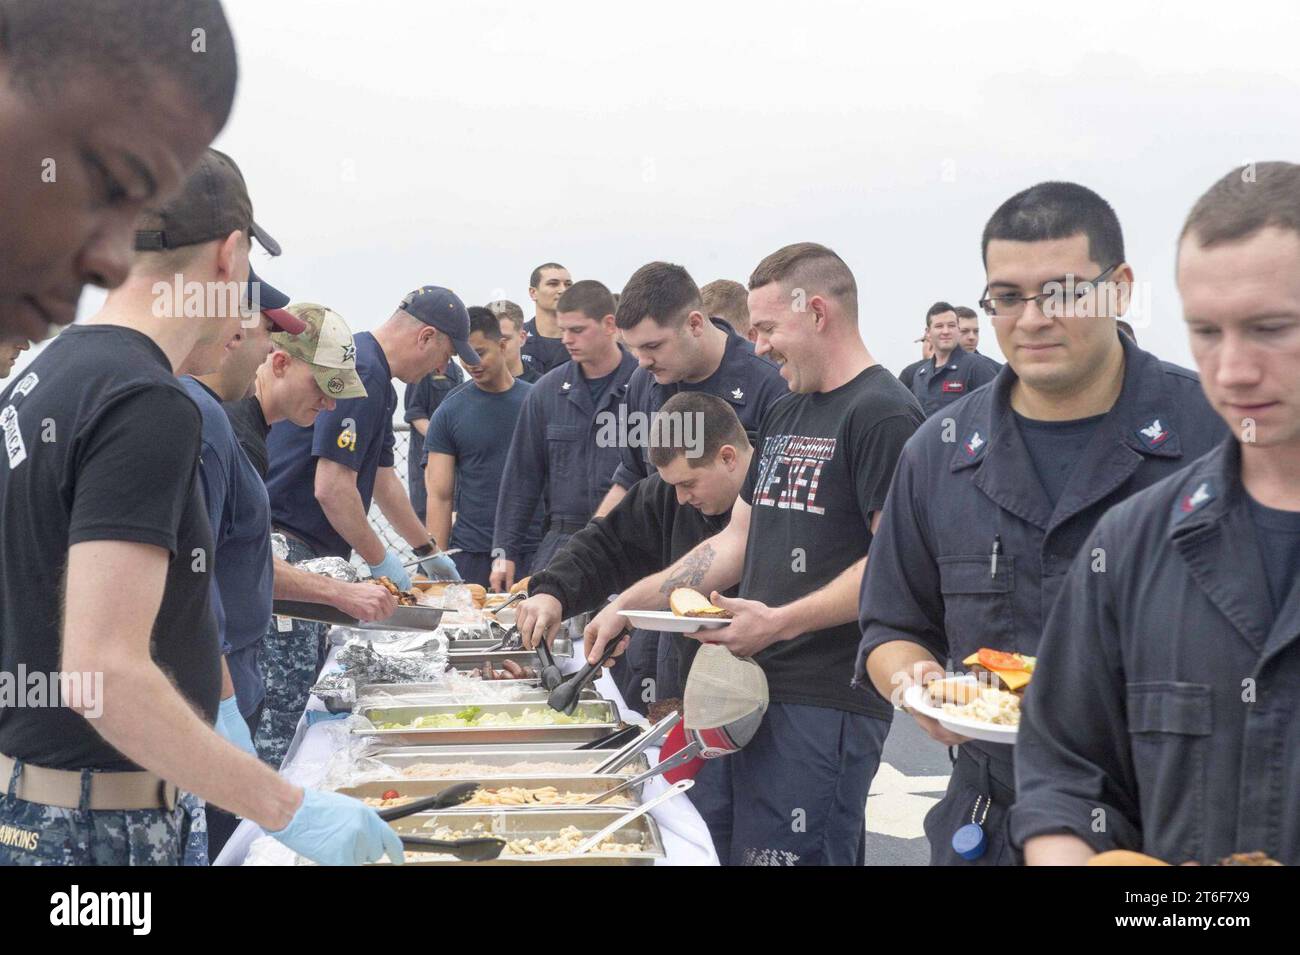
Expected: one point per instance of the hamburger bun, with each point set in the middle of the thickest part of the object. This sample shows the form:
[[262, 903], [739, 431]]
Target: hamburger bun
[[686, 602], [436, 588]]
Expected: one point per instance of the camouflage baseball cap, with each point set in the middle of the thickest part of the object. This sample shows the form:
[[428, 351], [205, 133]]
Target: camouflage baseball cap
[[327, 346]]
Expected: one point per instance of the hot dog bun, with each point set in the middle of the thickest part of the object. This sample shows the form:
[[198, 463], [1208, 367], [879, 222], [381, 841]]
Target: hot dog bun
[[953, 690]]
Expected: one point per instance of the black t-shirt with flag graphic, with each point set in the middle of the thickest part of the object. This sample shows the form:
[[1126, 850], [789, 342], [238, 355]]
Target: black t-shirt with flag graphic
[[102, 444], [822, 466]]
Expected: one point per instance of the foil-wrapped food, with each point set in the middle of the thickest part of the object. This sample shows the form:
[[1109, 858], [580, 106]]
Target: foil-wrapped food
[[364, 664], [335, 567], [337, 690]]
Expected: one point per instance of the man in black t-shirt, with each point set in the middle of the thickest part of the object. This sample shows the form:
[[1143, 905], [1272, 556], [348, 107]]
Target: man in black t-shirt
[[797, 545], [106, 564], [659, 520]]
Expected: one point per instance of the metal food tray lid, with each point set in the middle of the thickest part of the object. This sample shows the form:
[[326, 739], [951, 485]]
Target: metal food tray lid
[[418, 619]]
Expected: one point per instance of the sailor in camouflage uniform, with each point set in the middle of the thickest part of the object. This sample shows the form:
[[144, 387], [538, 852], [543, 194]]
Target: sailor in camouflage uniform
[[289, 662]]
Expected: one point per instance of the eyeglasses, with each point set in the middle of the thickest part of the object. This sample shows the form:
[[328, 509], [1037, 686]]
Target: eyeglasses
[[1060, 300]]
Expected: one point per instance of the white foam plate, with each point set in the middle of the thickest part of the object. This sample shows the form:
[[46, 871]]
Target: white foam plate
[[918, 699], [668, 621]]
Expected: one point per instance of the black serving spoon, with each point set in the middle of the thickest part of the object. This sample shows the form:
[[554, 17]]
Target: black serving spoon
[[478, 849]]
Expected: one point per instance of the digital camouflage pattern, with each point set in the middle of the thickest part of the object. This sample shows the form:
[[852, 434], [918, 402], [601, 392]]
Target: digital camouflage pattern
[[35, 834], [195, 833], [289, 662]]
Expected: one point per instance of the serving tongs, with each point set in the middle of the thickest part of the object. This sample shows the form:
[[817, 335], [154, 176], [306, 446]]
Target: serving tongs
[[511, 638], [451, 796], [639, 745], [614, 740], [550, 675], [676, 789], [564, 697], [477, 849], [683, 755]]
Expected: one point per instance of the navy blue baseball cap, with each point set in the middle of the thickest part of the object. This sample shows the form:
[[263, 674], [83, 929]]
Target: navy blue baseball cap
[[442, 309], [271, 302]]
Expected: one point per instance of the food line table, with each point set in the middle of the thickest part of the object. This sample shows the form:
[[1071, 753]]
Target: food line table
[[685, 837]]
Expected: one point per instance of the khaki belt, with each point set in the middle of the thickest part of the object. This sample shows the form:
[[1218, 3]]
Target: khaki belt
[[61, 788]]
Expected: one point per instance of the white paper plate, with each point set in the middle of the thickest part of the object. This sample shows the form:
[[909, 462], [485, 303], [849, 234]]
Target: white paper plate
[[668, 621], [918, 699]]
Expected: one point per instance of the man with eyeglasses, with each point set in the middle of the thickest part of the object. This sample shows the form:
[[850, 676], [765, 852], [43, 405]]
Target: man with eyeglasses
[[993, 499], [1185, 739], [952, 372]]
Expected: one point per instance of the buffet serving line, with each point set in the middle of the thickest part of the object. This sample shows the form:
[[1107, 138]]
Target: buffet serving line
[[480, 752]]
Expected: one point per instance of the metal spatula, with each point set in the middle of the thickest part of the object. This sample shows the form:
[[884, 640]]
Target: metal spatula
[[639, 745], [684, 755], [676, 789]]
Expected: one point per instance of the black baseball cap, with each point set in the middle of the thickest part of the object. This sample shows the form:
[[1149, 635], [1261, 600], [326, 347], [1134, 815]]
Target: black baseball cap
[[212, 204], [442, 309]]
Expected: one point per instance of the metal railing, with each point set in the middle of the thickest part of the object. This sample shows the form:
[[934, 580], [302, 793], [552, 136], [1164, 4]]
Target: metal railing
[[390, 537]]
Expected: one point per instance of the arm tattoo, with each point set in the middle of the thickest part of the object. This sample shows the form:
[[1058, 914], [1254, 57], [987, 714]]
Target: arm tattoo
[[691, 571]]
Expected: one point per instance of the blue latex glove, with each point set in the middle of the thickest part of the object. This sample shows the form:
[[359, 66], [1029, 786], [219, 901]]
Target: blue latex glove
[[439, 567], [391, 567], [332, 829], [233, 727]]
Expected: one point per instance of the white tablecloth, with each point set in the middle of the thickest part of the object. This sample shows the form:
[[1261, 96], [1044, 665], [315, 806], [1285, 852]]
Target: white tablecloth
[[686, 838]]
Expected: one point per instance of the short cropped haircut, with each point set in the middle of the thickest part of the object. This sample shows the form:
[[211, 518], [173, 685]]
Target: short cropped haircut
[[535, 280], [483, 321], [812, 267], [660, 291], [729, 301], [1058, 210], [1246, 201], [721, 426], [507, 309], [588, 297], [126, 45], [965, 311], [938, 308]]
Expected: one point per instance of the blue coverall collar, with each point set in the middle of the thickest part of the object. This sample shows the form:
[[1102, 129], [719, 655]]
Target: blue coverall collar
[[1140, 423]]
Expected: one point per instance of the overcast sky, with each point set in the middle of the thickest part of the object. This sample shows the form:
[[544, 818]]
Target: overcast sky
[[388, 144]]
